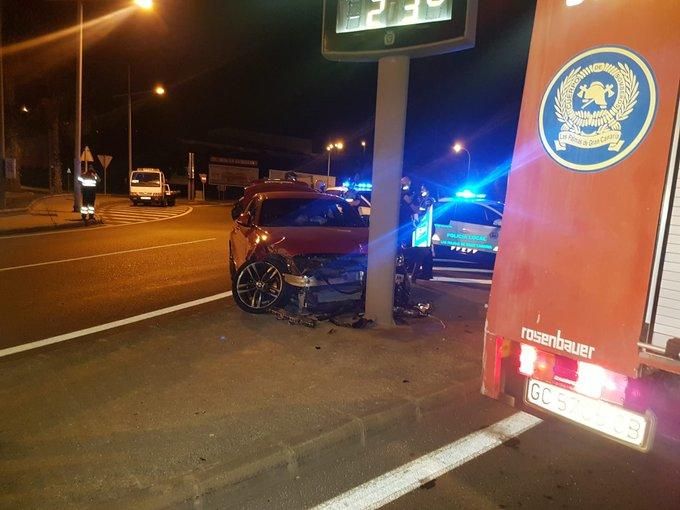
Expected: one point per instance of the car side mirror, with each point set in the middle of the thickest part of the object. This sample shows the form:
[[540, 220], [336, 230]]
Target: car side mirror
[[244, 219], [497, 223]]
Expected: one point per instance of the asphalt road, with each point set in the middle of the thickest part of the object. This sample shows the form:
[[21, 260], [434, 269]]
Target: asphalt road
[[134, 269]]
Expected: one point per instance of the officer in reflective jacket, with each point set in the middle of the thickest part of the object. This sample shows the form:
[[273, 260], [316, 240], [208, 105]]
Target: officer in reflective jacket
[[88, 183]]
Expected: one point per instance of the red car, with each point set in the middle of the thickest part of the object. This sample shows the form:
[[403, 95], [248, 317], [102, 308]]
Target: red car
[[264, 185], [310, 247]]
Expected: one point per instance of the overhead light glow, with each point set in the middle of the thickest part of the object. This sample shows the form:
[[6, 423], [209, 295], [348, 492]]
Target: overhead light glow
[[144, 4], [457, 148], [572, 3], [159, 90]]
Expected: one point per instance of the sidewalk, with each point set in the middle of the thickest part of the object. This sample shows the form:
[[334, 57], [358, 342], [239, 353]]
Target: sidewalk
[[160, 413], [45, 213]]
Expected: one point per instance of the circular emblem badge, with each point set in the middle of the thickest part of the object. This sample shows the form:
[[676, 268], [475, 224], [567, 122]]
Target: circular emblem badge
[[598, 109]]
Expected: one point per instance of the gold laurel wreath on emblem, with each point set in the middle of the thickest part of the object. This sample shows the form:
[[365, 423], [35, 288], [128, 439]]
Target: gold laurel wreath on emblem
[[607, 120]]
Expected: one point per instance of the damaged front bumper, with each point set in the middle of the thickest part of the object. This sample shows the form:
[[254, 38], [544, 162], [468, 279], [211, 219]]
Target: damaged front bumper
[[310, 281]]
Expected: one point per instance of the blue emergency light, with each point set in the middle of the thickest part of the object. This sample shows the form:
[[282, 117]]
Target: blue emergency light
[[359, 186], [466, 193]]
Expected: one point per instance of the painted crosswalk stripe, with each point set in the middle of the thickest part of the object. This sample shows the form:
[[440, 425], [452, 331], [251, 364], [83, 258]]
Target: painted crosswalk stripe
[[391, 486]]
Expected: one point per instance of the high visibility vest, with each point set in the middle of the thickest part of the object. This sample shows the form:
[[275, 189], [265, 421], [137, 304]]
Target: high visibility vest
[[88, 180]]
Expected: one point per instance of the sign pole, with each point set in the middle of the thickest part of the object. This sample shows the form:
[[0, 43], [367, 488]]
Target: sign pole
[[388, 160]]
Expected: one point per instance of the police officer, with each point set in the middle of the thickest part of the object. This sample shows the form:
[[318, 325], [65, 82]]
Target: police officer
[[88, 182], [408, 213]]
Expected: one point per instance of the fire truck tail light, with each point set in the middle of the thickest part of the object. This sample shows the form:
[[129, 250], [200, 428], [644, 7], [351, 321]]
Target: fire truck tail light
[[527, 359], [585, 378], [591, 380]]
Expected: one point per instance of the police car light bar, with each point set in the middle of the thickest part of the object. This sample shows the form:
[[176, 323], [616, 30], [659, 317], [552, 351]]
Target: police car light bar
[[360, 186], [469, 194]]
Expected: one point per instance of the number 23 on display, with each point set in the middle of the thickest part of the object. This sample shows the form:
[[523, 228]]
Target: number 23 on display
[[412, 7]]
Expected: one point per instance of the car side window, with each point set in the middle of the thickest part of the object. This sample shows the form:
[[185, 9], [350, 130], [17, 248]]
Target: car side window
[[252, 210], [471, 213]]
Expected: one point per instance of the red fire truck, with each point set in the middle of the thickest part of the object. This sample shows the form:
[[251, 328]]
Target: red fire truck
[[584, 313]]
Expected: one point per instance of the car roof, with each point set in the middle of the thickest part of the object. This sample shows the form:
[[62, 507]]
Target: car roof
[[296, 194]]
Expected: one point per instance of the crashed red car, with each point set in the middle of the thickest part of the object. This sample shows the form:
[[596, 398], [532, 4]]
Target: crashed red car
[[308, 248]]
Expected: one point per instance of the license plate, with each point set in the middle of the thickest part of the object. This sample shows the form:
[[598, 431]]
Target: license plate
[[615, 422], [145, 198]]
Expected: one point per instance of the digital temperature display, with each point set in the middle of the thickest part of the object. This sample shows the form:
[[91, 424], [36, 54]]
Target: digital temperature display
[[360, 15]]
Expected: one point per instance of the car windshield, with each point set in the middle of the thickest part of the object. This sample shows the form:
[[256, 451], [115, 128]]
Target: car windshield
[[145, 179], [308, 212]]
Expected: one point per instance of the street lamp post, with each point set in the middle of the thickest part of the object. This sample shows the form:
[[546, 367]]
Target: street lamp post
[[159, 90], [142, 4], [330, 148], [3, 176], [457, 148], [79, 111]]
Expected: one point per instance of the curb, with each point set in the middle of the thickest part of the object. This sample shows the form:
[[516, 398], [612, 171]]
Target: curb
[[192, 486], [10, 212]]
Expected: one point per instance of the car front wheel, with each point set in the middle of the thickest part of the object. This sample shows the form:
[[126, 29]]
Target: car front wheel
[[259, 286]]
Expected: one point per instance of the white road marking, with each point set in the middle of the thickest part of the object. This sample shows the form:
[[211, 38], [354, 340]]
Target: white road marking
[[94, 228], [390, 486], [462, 270], [461, 280], [111, 325], [124, 213], [106, 254]]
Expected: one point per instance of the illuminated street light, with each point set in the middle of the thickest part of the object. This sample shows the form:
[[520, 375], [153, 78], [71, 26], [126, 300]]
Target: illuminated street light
[[457, 148], [158, 90], [144, 4], [338, 146], [24, 109]]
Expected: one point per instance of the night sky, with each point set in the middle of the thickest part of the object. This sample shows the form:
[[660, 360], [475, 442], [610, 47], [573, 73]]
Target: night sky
[[257, 66]]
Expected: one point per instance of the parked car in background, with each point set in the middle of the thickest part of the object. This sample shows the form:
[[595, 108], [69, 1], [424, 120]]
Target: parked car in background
[[467, 228], [297, 245], [264, 185]]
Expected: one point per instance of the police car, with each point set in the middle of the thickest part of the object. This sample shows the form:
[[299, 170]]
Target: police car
[[359, 195], [467, 226]]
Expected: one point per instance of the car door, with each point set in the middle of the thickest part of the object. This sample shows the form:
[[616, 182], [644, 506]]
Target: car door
[[472, 227], [494, 220]]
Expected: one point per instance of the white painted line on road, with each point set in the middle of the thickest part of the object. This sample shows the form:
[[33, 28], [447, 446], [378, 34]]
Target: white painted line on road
[[93, 229], [390, 486], [106, 254], [460, 280], [112, 325], [462, 270]]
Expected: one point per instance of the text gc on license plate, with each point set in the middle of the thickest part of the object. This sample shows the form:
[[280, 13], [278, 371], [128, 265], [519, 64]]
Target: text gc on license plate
[[613, 421]]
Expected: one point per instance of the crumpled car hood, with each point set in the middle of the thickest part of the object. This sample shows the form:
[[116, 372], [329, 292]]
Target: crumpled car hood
[[293, 241]]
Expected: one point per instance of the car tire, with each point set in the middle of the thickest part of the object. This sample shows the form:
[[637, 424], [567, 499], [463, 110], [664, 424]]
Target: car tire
[[259, 286]]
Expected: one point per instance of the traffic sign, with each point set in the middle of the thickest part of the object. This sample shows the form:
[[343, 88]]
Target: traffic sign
[[86, 156], [105, 160]]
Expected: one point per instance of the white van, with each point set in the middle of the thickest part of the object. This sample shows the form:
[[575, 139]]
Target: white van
[[148, 185]]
